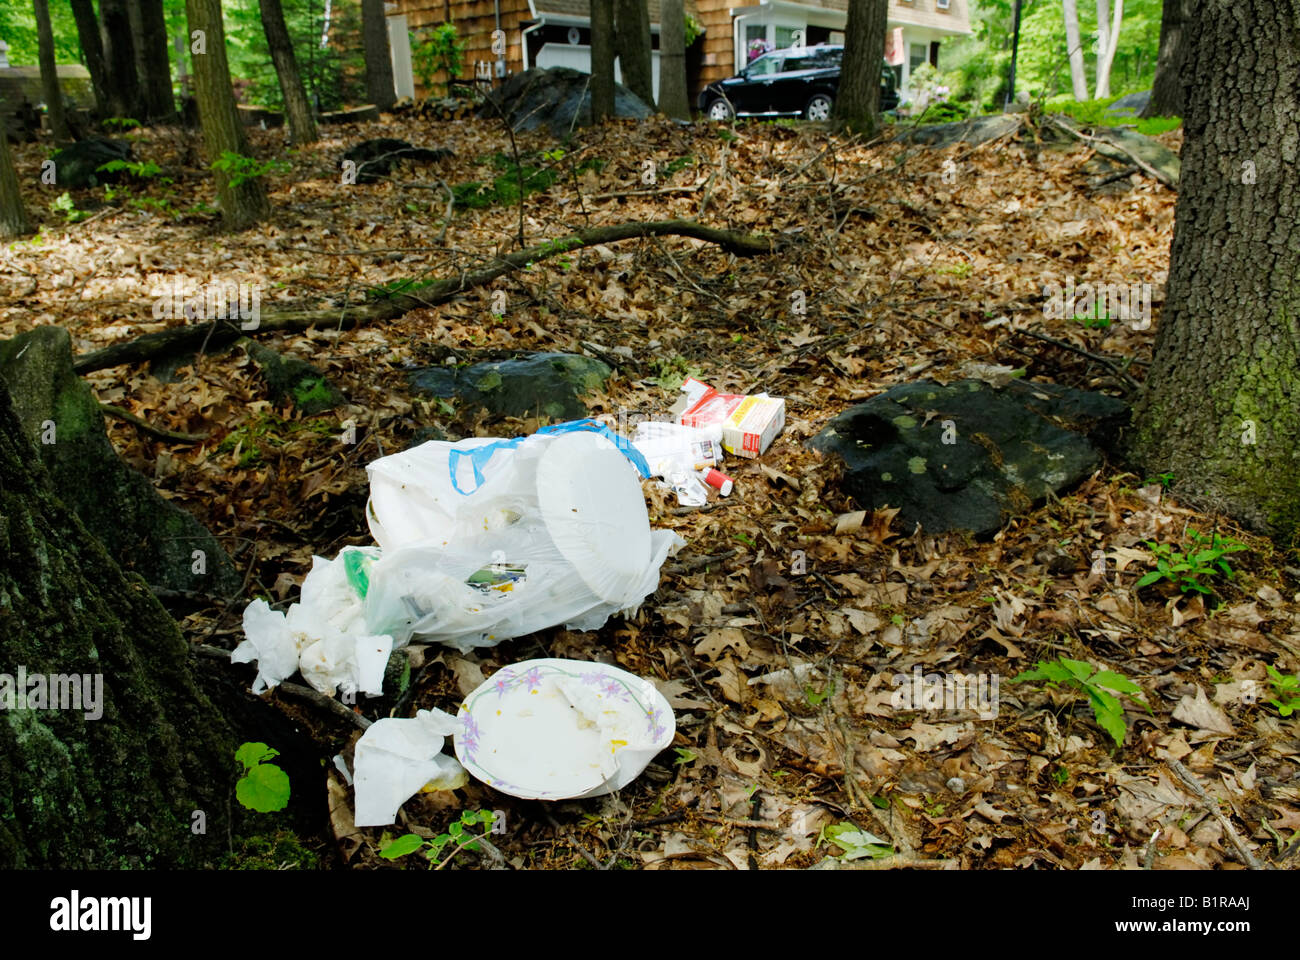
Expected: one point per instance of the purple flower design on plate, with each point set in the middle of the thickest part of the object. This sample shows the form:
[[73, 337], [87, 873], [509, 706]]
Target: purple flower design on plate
[[653, 716], [612, 688], [593, 677], [533, 678], [502, 682]]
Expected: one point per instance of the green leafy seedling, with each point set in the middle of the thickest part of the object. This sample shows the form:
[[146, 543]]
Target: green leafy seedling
[[684, 755], [1186, 568], [264, 787], [1285, 691], [1083, 677], [460, 832], [855, 843]]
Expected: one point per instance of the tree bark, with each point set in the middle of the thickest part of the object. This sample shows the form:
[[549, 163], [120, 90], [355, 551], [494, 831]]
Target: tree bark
[[246, 203], [119, 57], [1107, 43], [13, 215], [672, 60], [49, 70], [632, 40], [147, 783], [858, 108], [1167, 89], [379, 66], [92, 48], [302, 123], [602, 59], [1074, 49], [175, 340], [1220, 407], [153, 63]]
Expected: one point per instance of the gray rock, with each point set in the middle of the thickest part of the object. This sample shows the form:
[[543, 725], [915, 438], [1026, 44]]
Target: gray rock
[[558, 97], [141, 531], [77, 165], [1131, 105], [537, 384], [1007, 449], [976, 130]]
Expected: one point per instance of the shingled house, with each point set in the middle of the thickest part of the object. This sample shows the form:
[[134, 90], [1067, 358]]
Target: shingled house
[[550, 33]]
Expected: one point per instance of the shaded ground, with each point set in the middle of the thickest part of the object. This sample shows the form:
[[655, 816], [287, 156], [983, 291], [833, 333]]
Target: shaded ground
[[911, 262]]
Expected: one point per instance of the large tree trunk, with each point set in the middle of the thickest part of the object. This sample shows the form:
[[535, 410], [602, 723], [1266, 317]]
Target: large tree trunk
[[153, 62], [92, 48], [379, 66], [119, 57], [602, 59], [1074, 50], [1107, 43], [858, 108], [302, 123], [149, 781], [245, 204], [13, 215], [1220, 409], [1167, 90], [632, 40], [49, 70], [672, 60]]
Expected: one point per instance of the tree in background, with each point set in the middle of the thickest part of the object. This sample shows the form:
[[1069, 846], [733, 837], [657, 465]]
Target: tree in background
[[49, 71], [602, 59], [1167, 89], [1219, 409], [119, 56], [672, 60], [858, 108], [302, 122], [632, 40], [13, 215], [153, 66], [243, 198], [1107, 43], [379, 66], [1074, 49], [92, 48]]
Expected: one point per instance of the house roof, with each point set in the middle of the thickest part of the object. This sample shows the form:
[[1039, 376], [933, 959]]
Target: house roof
[[581, 9]]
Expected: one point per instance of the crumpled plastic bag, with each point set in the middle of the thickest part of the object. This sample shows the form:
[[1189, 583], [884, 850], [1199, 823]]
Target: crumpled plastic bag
[[396, 757]]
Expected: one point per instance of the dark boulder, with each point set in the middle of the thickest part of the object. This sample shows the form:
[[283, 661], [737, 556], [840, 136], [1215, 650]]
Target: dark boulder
[[538, 384], [969, 455], [77, 165], [559, 98]]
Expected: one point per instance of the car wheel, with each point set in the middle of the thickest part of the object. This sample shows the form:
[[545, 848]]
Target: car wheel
[[720, 110], [819, 108]]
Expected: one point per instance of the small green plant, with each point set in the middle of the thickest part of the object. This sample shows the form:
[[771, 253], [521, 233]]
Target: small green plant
[[461, 832], [1083, 677], [122, 123], [65, 206], [815, 698], [241, 169], [1186, 569], [1286, 691], [264, 787], [441, 50], [855, 843], [671, 372], [1165, 480], [140, 169], [684, 755]]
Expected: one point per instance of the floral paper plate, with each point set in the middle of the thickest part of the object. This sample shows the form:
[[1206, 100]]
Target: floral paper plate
[[557, 729]]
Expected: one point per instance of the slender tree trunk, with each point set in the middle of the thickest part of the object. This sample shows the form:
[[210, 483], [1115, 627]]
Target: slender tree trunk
[[49, 71], [153, 59], [92, 48], [379, 67], [1220, 408], [119, 57], [602, 59], [13, 215], [245, 204], [138, 776], [1167, 90], [632, 40], [302, 122], [858, 108], [1078, 79], [1107, 43], [672, 60]]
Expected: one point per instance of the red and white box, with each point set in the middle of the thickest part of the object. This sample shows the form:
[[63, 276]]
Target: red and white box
[[747, 424]]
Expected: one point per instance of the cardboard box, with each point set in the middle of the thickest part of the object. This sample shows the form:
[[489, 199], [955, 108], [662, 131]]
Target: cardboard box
[[747, 424]]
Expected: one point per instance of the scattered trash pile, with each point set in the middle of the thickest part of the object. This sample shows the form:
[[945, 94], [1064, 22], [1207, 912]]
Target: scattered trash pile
[[482, 540]]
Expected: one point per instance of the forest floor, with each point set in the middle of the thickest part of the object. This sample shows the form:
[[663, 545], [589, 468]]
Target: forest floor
[[913, 263]]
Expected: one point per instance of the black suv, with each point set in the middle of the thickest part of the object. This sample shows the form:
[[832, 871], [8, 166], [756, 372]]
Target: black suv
[[800, 81]]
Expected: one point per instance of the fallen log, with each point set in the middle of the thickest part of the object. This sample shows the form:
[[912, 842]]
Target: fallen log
[[218, 333]]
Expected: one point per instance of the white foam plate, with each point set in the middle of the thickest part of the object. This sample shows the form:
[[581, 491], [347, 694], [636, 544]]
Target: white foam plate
[[556, 729]]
